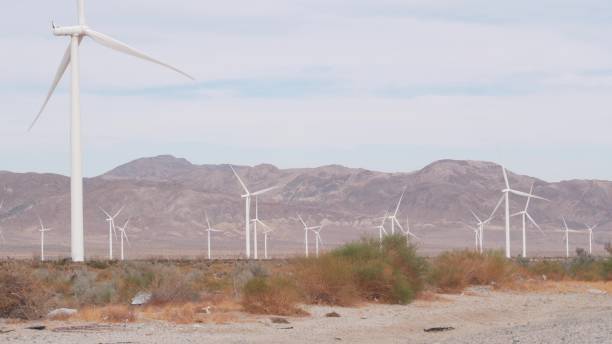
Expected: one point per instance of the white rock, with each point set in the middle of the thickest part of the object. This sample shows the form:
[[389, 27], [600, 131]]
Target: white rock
[[141, 298], [61, 312]]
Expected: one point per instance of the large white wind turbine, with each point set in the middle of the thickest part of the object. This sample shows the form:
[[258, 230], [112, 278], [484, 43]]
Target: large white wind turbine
[[247, 199], [111, 229], [393, 217], [123, 234], [306, 229], [590, 231], [71, 57], [506, 197], [42, 230], [525, 215]]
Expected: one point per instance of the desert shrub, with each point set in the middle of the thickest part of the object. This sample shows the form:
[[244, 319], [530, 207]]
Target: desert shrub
[[583, 267], [455, 270], [243, 273], [606, 269], [132, 279], [553, 270], [271, 295], [21, 296], [171, 285], [390, 273]]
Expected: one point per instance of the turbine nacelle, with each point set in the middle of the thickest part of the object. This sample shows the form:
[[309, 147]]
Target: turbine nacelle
[[77, 30]]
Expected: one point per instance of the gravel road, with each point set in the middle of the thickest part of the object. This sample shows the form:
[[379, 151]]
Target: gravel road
[[479, 316]]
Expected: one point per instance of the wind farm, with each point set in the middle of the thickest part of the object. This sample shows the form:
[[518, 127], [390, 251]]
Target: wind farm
[[303, 177]]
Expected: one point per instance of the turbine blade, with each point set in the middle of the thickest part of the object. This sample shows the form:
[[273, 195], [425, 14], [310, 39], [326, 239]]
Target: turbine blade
[[475, 216], [119, 212], [126, 237], [506, 177], [240, 180], [524, 194], [516, 214], [207, 221], [58, 77], [496, 207], [301, 220], [399, 225], [105, 212], [265, 190], [529, 198], [534, 223], [399, 202], [126, 49]]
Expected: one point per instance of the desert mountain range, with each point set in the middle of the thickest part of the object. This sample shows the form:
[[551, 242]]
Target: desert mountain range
[[165, 196]]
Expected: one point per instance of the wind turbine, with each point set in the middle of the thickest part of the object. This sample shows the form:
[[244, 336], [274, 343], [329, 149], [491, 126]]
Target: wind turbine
[[209, 230], [506, 197], [306, 229], [381, 228], [480, 229], [247, 199], [266, 234], [525, 215], [393, 217], [567, 232], [111, 229], [256, 221], [71, 57], [407, 232], [476, 238], [317, 232], [42, 230], [123, 234], [590, 231]]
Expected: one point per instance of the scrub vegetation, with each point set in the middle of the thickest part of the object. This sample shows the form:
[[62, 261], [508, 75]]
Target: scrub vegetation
[[184, 291]]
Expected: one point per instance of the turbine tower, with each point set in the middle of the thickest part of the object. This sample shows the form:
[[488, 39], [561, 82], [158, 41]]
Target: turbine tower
[[255, 222], [525, 215], [209, 230], [42, 231], [506, 197], [247, 200], [123, 234], [381, 228], [317, 232], [266, 233], [590, 231], [111, 229], [407, 232], [71, 57], [567, 232]]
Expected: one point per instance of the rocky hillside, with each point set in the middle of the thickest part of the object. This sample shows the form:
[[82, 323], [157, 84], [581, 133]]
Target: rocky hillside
[[165, 196]]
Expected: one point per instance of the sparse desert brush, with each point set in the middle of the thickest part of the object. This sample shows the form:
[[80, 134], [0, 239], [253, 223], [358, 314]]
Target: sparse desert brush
[[171, 285], [551, 270], [21, 295], [455, 270], [271, 295]]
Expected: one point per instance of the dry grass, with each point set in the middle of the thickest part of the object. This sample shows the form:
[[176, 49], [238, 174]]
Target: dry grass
[[275, 295], [107, 314], [451, 272]]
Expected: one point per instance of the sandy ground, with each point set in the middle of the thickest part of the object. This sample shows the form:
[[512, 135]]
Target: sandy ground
[[579, 314]]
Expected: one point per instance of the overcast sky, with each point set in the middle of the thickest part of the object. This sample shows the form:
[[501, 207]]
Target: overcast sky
[[388, 85]]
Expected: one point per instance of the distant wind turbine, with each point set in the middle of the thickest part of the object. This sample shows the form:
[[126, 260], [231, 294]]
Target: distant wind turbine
[[306, 229], [42, 230], [506, 197], [590, 231], [111, 229], [318, 241], [381, 228], [567, 232], [525, 215], [71, 57], [407, 232], [480, 230], [247, 199], [209, 229], [123, 234], [266, 234]]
